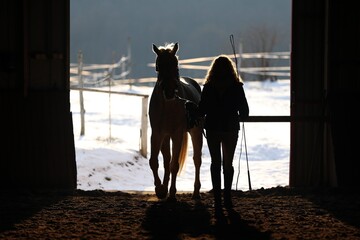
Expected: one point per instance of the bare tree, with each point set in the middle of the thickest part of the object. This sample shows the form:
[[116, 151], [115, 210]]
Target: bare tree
[[259, 38]]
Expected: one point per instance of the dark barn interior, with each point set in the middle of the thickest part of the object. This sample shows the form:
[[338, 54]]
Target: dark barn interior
[[38, 150], [38, 147]]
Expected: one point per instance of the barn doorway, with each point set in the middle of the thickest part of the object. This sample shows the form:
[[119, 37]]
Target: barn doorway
[[114, 32]]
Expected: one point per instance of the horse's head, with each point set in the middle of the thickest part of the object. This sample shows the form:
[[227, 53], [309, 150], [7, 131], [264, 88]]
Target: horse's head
[[166, 61], [167, 68]]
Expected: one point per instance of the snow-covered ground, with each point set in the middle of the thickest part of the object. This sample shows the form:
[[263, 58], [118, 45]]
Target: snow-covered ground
[[108, 157]]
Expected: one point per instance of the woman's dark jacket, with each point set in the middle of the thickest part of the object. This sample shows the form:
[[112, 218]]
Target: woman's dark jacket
[[223, 111]]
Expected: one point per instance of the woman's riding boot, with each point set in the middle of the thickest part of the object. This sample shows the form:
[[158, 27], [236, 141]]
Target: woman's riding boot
[[228, 178], [216, 182]]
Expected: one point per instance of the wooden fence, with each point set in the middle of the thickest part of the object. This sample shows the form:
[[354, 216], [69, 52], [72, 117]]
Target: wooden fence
[[281, 71], [96, 78], [144, 114]]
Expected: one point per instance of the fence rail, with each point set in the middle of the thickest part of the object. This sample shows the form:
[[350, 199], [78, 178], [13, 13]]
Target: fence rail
[[144, 113], [283, 71], [97, 74]]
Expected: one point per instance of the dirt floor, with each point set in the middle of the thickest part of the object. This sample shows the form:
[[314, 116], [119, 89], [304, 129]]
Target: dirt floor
[[276, 213]]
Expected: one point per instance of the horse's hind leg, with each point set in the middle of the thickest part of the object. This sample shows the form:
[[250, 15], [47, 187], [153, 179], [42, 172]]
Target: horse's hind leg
[[197, 142]]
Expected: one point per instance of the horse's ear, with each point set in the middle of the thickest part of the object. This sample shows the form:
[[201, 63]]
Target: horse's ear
[[175, 48], [155, 49]]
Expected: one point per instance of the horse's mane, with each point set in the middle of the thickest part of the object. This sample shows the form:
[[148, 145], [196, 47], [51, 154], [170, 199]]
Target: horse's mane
[[167, 46]]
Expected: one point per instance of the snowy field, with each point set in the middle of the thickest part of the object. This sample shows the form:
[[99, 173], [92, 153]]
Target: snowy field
[[108, 157]]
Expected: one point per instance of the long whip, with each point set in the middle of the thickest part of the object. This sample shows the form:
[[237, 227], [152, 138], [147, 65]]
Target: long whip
[[232, 42]]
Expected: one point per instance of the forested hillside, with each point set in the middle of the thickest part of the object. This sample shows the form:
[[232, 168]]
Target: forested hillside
[[103, 30]]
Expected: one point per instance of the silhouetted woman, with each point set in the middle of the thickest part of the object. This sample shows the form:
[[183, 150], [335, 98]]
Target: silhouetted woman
[[223, 104]]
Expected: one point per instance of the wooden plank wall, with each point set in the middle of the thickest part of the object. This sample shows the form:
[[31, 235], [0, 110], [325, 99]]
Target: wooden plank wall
[[38, 148], [324, 85], [38, 144], [344, 89], [307, 76]]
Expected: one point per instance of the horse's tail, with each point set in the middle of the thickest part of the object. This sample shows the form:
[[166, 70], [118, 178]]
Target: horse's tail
[[183, 151]]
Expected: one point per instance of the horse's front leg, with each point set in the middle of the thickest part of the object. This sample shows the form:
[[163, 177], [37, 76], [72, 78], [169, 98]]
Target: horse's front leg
[[165, 150], [156, 142], [197, 142]]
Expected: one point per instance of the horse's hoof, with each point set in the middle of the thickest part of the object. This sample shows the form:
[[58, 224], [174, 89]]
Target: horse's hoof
[[196, 197], [161, 191], [171, 199]]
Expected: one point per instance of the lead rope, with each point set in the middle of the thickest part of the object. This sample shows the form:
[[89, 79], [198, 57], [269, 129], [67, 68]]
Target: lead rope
[[243, 137], [187, 113]]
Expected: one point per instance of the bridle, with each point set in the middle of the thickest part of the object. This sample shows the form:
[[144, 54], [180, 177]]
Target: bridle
[[168, 97]]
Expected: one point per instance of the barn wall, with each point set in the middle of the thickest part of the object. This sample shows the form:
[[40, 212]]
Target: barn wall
[[344, 88], [323, 89], [38, 149]]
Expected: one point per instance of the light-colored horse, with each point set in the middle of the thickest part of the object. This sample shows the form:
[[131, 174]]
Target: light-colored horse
[[169, 125]]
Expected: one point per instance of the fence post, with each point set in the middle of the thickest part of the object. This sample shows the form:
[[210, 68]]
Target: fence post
[[81, 85], [240, 56], [144, 127]]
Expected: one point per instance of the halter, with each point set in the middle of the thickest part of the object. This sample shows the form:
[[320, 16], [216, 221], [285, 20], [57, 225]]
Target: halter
[[161, 84]]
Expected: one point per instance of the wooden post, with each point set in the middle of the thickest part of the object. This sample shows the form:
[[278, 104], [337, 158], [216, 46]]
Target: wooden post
[[128, 61], [81, 85], [110, 108], [111, 73], [240, 56], [144, 127]]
